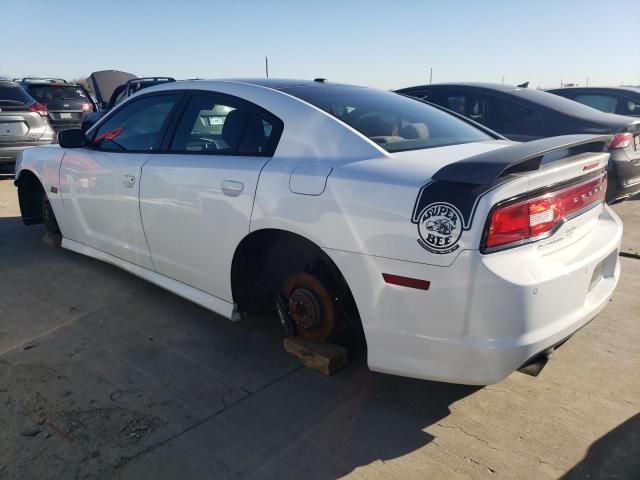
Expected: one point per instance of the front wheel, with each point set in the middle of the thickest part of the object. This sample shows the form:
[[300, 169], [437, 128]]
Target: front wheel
[[48, 217]]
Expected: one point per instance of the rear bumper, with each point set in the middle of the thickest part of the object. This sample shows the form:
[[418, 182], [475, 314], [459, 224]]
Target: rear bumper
[[9, 153], [485, 315], [624, 178]]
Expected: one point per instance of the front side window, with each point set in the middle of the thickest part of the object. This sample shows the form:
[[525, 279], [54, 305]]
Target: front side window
[[136, 126], [605, 103], [393, 121], [210, 125]]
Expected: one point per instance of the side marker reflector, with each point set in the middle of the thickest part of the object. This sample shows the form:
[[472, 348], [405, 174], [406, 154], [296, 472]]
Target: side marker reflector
[[406, 281]]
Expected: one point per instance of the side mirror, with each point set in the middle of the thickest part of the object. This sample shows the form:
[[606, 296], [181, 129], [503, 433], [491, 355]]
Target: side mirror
[[73, 138]]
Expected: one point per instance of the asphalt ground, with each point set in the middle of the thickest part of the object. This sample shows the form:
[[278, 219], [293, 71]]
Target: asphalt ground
[[103, 375]]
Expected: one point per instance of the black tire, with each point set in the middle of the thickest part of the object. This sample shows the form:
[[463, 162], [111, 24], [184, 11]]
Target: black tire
[[48, 217]]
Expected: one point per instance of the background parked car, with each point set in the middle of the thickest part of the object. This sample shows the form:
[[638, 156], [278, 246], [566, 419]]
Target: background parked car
[[620, 100], [113, 87], [23, 122], [525, 114], [67, 103]]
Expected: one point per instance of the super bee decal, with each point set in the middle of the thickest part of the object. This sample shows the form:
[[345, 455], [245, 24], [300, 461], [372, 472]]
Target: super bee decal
[[440, 228], [443, 210]]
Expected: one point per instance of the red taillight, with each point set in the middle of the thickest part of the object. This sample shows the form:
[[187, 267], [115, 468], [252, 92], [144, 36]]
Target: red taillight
[[530, 218], [621, 140], [41, 108], [86, 106]]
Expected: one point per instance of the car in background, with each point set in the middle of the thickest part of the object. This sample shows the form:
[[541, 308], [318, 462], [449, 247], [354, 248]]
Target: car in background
[[112, 87], [23, 122], [620, 100], [67, 103], [525, 114]]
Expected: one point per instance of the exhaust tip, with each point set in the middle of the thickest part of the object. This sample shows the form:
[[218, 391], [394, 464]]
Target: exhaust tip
[[535, 365]]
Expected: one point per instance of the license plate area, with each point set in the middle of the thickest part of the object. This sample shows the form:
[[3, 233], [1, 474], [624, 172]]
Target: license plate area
[[596, 276], [66, 115]]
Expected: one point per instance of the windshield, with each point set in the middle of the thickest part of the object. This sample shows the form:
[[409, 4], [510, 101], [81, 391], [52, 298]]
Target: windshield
[[394, 122], [51, 93]]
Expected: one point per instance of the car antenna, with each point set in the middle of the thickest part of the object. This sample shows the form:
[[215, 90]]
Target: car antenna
[[320, 80], [523, 85]]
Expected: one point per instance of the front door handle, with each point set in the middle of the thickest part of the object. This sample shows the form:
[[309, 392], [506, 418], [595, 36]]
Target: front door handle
[[232, 188], [129, 181]]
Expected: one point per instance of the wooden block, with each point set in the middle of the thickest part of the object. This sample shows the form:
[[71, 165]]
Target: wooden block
[[326, 358]]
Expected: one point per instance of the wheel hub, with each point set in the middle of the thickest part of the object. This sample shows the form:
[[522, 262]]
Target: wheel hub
[[305, 309]]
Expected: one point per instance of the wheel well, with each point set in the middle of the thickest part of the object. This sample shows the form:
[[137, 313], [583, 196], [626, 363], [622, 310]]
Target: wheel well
[[30, 193], [264, 260]]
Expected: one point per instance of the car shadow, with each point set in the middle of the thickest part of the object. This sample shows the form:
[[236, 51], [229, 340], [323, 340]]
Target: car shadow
[[615, 455], [128, 380]]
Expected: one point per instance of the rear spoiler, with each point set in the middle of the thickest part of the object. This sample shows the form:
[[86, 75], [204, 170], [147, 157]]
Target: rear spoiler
[[461, 184], [486, 168]]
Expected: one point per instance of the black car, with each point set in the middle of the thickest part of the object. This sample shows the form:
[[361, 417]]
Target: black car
[[525, 114], [67, 103], [620, 100]]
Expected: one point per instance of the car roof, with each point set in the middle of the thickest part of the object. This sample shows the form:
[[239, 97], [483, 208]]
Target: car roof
[[279, 83], [541, 98], [597, 89]]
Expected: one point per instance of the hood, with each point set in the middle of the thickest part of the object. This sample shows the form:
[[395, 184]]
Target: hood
[[106, 81]]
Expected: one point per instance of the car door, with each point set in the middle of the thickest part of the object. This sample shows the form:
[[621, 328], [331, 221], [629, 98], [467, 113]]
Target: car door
[[100, 183], [196, 197]]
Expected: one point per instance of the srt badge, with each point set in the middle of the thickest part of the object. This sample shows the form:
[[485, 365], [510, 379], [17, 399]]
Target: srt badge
[[439, 227]]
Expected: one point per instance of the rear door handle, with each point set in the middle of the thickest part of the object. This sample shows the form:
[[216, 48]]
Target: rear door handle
[[129, 181], [232, 188]]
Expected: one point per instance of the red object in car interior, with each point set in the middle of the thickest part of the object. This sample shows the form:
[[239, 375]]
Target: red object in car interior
[[529, 218]]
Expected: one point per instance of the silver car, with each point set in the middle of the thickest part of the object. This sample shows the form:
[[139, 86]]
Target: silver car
[[23, 122]]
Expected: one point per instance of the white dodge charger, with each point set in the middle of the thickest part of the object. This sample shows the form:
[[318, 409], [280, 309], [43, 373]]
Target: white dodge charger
[[460, 255]]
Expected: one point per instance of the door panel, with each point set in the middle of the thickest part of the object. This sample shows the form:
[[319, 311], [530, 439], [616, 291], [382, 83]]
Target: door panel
[[101, 184], [101, 189], [196, 209]]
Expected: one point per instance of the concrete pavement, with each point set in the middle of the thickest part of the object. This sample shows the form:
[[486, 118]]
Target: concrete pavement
[[103, 375]]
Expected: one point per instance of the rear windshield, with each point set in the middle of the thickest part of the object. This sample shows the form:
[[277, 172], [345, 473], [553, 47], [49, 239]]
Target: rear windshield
[[394, 122], [13, 94], [51, 93]]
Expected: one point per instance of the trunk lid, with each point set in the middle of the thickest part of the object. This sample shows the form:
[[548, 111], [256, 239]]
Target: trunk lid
[[106, 81]]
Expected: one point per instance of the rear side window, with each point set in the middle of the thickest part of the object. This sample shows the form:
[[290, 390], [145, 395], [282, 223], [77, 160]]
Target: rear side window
[[393, 121], [216, 126], [13, 94], [510, 112], [629, 107], [604, 103], [137, 126]]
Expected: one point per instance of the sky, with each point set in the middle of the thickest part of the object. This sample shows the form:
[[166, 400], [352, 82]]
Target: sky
[[383, 44]]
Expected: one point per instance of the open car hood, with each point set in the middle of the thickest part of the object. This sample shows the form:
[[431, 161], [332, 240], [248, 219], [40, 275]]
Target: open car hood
[[106, 81]]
